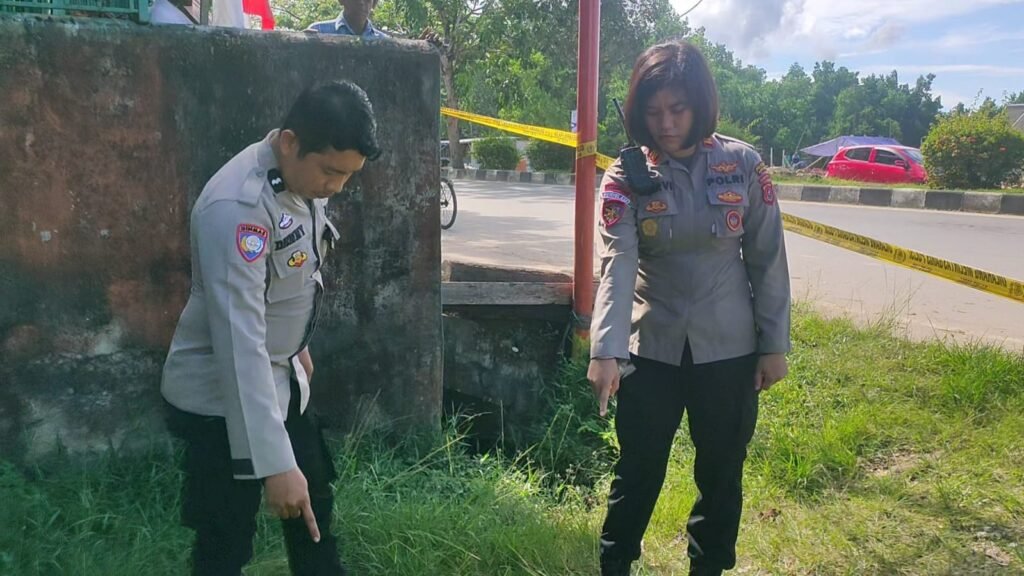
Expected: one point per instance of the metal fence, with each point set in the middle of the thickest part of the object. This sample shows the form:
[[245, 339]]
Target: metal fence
[[137, 10]]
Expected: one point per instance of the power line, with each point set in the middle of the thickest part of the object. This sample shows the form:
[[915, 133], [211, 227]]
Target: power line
[[691, 9]]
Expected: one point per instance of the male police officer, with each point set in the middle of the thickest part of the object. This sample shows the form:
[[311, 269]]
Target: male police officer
[[354, 20], [238, 372]]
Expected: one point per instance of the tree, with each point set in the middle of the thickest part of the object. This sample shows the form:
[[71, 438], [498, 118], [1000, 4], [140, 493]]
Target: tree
[[455, 23]]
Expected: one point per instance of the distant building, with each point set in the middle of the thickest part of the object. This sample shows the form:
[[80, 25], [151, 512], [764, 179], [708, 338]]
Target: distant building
[[1016, 114]]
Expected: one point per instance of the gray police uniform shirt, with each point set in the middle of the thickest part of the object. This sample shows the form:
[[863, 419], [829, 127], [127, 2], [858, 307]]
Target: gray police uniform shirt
[[702, 259], [256, 292]]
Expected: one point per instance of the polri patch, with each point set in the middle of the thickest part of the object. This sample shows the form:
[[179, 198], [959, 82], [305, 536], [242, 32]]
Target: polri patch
[[730, 197], [298, 259], [733, 220], [765, 179], [251, 241], [611, 212], [649, 227], [656, 207], [613, 195]]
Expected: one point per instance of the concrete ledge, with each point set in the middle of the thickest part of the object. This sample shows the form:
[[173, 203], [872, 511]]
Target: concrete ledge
[[875, 197], [788, 192], [943, 200], [1012, 204], [982, 202], [842, 195], [908, 198], [815, 194], [946, 200]]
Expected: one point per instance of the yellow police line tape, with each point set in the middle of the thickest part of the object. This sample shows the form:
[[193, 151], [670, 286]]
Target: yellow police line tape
[[978, 279], [563, 137]]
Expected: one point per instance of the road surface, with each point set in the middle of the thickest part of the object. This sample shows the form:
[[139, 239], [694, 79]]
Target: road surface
[[531, 226]]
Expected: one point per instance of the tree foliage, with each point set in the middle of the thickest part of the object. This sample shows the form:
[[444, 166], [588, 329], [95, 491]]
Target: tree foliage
[[973, 150], [516, 60]]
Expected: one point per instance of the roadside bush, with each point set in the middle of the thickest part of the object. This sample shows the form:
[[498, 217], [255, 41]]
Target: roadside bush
[[732, 129], [547, 156], [496, 153], [973, 151]]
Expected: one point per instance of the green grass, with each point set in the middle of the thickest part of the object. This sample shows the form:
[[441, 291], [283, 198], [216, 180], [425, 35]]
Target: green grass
[[780, 178], [877, 456]]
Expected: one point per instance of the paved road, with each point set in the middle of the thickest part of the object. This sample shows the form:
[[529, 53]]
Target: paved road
[[531, 226]]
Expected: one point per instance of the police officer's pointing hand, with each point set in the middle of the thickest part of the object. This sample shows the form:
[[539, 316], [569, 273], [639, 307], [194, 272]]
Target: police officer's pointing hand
[[603, 374]]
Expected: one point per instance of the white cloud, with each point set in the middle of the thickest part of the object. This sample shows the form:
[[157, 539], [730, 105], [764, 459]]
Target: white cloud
[[828, 27], [974, 69]]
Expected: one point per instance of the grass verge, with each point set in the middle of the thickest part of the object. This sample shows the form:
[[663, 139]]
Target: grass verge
[[876, 456]]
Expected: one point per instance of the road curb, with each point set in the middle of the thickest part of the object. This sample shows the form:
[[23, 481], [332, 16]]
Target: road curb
[[942, 200]]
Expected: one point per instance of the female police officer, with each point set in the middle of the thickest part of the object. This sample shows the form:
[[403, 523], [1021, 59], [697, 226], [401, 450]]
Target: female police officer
[[695, 292]]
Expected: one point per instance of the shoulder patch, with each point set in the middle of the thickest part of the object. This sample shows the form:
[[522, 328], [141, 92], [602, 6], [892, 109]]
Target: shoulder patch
[[730, 140], [615, 200], [251, 241], [764, 177], [612, 212]]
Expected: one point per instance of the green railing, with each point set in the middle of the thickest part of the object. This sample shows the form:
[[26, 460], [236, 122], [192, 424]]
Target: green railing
[[133, 9]]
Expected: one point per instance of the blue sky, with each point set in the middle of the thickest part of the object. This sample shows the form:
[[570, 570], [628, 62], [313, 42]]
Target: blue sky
[[969, 45]]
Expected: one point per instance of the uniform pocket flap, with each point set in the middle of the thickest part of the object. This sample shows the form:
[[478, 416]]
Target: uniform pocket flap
[[292, 259]]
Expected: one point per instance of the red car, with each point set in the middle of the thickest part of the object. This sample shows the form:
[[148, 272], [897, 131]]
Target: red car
[[885, 164]]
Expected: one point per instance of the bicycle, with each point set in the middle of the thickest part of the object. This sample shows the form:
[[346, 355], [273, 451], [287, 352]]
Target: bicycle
[[449, 204]]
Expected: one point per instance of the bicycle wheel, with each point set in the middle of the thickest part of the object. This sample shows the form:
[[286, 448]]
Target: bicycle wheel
[[449, 205]]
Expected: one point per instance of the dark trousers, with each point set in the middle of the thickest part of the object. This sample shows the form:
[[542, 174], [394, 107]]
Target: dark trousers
[[222, 510], [721, 403]]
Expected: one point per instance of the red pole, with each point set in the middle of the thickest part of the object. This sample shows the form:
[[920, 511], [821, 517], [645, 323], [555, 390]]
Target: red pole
[[586, 122]]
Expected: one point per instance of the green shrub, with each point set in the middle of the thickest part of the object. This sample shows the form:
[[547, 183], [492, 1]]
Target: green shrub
[[496, 153], [732, 129], [547, 156], [973, 151]]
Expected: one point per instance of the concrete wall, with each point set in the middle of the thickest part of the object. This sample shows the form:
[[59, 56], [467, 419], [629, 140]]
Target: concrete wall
[[108, 132], [499, 357]]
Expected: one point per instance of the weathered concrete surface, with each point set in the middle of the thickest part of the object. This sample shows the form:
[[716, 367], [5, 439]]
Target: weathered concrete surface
[[108, 132], [497, 357], [982, 202]]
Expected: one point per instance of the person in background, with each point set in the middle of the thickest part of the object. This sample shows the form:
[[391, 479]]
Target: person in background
[[171, 12], [694, 299], [354, 20]]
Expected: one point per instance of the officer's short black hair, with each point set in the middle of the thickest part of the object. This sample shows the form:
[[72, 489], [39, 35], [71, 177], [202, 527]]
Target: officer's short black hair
[[675, 65], [336, 115]]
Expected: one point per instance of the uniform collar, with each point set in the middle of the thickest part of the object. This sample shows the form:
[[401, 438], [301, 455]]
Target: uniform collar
[[267, 161], [265, 152], [340, 23], [659, 159]]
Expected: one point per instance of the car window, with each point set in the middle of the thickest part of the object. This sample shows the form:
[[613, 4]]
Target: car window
[[861, 154], [888, 157], [914, 154]]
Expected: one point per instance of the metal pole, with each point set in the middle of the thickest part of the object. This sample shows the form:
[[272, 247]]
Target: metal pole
[[586, 106]]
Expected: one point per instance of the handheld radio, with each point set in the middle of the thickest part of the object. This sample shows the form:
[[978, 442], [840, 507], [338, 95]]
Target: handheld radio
[[634, 163]]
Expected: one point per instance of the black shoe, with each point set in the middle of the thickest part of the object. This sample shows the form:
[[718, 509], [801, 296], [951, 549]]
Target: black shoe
[[615, 567]]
